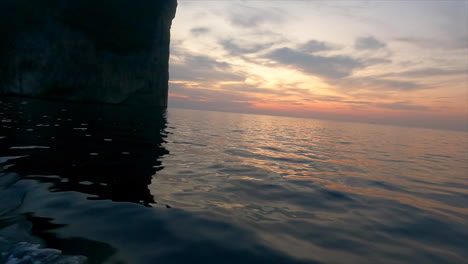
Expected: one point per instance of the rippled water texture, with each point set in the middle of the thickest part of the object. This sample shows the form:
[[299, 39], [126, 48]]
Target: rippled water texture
[[107, 184]]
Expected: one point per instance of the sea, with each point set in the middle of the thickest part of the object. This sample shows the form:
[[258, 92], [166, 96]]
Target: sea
[[84, 183]]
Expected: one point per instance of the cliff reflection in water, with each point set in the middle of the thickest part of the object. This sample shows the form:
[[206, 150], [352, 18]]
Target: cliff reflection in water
[[110, 152]]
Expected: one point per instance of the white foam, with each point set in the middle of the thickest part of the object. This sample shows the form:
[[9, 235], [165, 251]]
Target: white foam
[[23, 253]]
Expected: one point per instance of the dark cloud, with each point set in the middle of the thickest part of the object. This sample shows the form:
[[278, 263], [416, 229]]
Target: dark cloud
[[327, 98], [305, 94], [216, 105], [374, 61], [426, 43], [238, 49], [208, 99], [396, 85], [313, 46], [379, 85], [426, 72], [250, 17], [203, 68], [368, 43], [297, 103], [357, 102], [245, 88], [328, 67], [197, 31], [205, 62], [420, 42], [331, 67], [402, 106], [200, 93], [335, 99]]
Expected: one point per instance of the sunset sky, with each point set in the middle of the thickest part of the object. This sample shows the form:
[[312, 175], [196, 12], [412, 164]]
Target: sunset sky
[[395, 62]]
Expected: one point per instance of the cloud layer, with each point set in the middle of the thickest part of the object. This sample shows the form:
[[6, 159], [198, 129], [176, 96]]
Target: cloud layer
[[333, 67], [278, 58], [368, 43]]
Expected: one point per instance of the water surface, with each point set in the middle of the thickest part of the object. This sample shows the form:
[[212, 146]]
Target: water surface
[[111, 184]]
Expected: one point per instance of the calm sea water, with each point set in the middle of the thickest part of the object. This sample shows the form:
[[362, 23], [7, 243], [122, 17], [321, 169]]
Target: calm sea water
[[107, 184]]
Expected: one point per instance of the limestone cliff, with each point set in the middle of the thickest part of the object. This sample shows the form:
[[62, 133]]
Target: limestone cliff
[[110, 51]]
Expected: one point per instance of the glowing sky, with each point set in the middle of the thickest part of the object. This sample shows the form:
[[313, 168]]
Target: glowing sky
[[397, 62]]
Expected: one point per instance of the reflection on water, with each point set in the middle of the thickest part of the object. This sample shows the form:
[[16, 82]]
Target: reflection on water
[[423, 168], [134, 185], [106, 151]]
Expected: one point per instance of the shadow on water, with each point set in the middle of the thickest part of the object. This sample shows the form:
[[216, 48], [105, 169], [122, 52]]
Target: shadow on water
[[110, 152]]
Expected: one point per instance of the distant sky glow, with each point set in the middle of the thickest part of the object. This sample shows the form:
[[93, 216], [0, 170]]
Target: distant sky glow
[[396, 62]]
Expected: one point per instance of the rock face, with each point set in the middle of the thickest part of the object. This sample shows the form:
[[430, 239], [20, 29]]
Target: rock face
[[111, 51]]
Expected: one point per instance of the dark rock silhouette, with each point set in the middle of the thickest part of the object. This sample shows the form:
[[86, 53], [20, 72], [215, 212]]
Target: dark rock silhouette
[[110, 51]]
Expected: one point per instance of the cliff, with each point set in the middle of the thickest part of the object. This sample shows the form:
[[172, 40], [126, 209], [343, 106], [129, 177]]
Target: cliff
[[109, 51]]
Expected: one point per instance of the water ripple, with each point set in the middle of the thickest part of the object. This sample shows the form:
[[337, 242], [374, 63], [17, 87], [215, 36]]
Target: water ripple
[[124, 186]]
